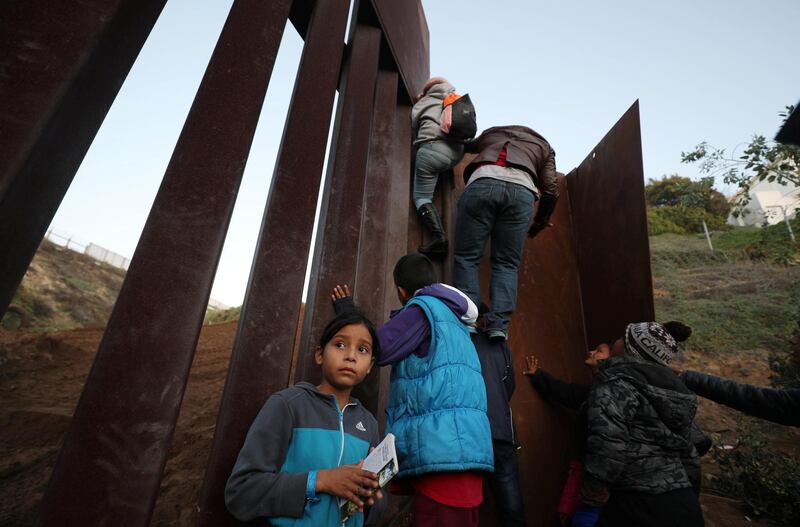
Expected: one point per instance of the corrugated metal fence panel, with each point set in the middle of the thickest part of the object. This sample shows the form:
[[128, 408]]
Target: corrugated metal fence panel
[[610, 220]]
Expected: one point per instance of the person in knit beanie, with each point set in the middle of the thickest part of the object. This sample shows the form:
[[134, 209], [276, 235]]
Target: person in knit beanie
[[640, 461], [655, 342], [624, 357]]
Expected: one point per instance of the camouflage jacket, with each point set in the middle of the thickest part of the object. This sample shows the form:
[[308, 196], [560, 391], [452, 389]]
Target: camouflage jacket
[[639, 419]]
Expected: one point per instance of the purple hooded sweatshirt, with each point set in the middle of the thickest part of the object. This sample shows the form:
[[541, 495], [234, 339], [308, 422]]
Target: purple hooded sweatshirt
[[408, 330]]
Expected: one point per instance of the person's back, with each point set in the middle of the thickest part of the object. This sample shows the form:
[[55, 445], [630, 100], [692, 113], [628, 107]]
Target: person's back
[[437, 397], [658, 410], [526, 149], [426, 113], [436, 153], [514, 168], [437, 403]]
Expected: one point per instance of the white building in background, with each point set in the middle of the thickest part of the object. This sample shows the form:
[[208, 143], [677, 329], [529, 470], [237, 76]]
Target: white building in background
[[769, 201]]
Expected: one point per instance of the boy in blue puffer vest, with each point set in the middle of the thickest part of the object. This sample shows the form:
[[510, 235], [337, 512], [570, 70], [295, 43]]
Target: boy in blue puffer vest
[[437, 397]]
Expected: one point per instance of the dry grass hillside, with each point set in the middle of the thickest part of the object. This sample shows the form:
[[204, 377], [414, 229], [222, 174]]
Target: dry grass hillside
[[64, 289]]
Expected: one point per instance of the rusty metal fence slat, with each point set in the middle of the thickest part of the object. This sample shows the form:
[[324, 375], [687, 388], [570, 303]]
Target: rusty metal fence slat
[[262, 352], [397, 230], [61, 67], [336, 250], [110, 466], [372, 248], [607, 196]]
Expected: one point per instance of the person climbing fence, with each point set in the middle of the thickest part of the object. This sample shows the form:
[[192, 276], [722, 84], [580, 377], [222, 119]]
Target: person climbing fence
[[439, 142], [514, 167]]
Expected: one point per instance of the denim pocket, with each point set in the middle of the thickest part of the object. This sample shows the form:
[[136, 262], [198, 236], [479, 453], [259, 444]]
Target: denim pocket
[[526, 196], [479, 192]]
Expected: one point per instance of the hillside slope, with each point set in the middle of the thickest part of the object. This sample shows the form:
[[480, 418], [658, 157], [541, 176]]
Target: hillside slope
[[63, 289]]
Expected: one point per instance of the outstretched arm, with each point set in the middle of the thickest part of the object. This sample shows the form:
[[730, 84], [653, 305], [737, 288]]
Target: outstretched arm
[[555, 390], [778, 406]]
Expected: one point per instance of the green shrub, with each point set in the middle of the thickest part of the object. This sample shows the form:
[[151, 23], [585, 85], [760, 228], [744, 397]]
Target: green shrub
[[767, 481], [770, 243], [689, 219], [677, 190], [216, 316], [657, 224]]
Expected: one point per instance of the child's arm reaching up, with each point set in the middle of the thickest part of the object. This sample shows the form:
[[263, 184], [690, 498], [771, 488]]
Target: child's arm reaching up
[[342, 299], [569, 394], [405, 333]]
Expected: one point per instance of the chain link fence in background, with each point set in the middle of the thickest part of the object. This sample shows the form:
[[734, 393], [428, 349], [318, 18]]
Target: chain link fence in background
[[101, 254]]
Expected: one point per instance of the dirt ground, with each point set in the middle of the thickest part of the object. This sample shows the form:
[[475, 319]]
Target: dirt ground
[[721, 424], [41, 378], [41, 381]]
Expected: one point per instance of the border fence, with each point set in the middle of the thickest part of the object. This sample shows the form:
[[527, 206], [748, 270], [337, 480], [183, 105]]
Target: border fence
[[581, 281], [101, 254]]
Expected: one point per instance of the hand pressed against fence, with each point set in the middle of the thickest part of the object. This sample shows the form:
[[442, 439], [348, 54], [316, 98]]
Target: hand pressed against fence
[[531, 365], [340, 291]]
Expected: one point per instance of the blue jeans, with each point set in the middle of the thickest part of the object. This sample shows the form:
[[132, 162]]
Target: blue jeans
[[433, 158], [500, 211]]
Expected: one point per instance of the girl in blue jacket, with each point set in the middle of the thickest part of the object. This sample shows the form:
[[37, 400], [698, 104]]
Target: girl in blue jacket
[[304, 450]]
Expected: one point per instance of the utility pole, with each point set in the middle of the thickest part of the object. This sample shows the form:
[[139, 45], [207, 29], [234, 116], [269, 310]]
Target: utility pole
[[708, 237]]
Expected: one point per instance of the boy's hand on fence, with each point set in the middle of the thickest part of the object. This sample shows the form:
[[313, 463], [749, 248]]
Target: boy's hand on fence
[[350, 482], [340, 291], [532, 364]]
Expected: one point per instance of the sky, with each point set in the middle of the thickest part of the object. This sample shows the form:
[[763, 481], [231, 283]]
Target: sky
[[702, 70]]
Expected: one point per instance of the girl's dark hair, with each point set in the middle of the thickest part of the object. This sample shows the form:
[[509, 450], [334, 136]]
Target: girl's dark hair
[[679, 331], [349, 318]]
